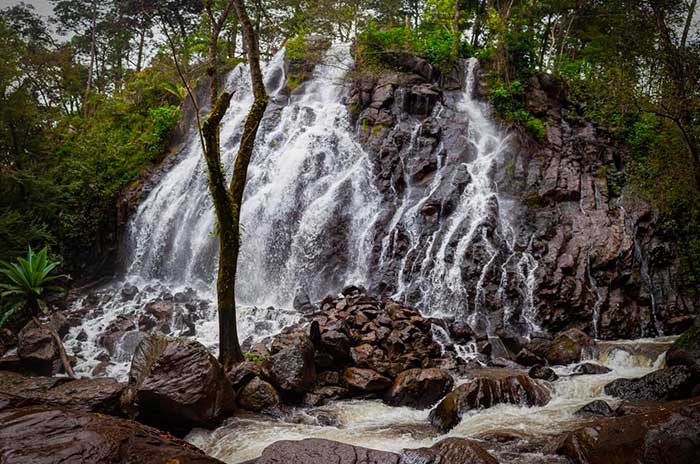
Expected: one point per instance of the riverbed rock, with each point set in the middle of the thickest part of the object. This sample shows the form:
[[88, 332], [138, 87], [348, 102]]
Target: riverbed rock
[[672, 383], [590, 369], [176, 384], [258, 396], [52, 435], [449, 451], [365, 380], [37, 350], [419, 388], [318, 451], [87, 395], [485, 388], [567, 347], [669, 433], [292, 369], [543, 373], [596, 408], [685, 351]]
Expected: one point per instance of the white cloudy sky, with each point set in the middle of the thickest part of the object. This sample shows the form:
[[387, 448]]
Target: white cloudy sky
[[43, 7]]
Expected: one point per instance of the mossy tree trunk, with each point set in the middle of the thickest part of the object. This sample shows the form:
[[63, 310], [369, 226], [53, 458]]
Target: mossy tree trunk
[[228, 199]]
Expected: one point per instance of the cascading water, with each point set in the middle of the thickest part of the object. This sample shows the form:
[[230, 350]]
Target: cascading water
[[474, 260]]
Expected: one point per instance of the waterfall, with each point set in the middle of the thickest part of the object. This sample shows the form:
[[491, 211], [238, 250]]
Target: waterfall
[[311, 221], [474, 259]]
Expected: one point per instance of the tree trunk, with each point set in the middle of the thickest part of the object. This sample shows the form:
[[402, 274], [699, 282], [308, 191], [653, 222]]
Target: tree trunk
[[139, 59], [93, 33], [229, 238]]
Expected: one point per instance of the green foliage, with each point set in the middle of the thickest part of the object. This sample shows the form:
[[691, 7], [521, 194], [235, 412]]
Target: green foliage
[[377, 47], [507, 101], [256, 358], [25, 282]]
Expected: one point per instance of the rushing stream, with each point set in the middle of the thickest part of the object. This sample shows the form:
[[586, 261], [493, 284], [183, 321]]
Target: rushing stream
[[513, 434], [310, 220]]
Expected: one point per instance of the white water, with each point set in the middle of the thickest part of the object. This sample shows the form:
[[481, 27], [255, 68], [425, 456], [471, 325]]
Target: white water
[[375, 425]]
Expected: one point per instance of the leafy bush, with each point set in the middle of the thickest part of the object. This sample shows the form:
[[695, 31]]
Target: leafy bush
[[507, 102], [26, 281]]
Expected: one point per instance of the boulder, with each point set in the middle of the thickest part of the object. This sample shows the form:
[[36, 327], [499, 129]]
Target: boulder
[[590, 369], [669, 433], [419, 388], [86, 395], [177, 384], [258, 395], [595, 408], [567, 347], [318, 451], [543, 373], [450, 451], [685, 351], [292, 369], [527, 358], [37, 350], [671, 383], [365, 380], [322, 395], [485, 388], [52, 435]]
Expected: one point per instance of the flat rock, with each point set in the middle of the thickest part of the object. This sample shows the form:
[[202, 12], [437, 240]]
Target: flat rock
[[51, 435], [671, 383], [449, 451], [317, 451]]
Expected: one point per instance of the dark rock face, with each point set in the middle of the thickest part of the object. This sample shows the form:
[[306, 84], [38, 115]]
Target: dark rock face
[[450, 450], [543, 373], [258, 395], [37, 350], [601, 254], [665, 434], [85, 395], [316, 451], [596, 408], [419, 388], [177, 384], [486, 388], [665, 384], [50, 435]]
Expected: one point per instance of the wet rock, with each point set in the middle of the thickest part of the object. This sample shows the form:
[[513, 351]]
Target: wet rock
[[419, 388], [337, 344], [37, 350], [129, 292], [302, 303], [666, 434], [365, 380], [51, 435], [596, 408], [567, 347], [543, 373], [317, 451], [177, 384], [485, 388], [590, 369], [685, 351], [258, 395], [293, 369], [322, 395], [60, 324], [527, 358], [449, 450], [671, 383], [86, 395]]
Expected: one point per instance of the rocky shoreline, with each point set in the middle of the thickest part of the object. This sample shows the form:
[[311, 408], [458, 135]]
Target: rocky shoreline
[[351, 346]]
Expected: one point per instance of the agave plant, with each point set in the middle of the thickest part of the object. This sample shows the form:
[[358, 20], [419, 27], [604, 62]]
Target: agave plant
[[27, 279]]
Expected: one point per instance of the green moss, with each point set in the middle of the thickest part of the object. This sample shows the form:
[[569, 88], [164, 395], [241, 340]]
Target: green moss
[[256, 358], [689, 338]]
